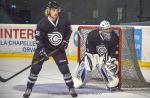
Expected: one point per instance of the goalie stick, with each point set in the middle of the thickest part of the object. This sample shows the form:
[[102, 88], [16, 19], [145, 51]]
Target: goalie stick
[[36, 62]]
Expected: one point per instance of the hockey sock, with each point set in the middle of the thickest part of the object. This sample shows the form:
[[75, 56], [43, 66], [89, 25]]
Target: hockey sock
[[31, 80], [68, 80]]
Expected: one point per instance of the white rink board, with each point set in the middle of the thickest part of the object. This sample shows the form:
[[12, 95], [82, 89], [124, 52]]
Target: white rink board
[[19, 38], [146, 44]]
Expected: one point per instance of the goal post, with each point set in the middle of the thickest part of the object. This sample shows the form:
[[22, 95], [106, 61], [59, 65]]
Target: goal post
[[129, 74]]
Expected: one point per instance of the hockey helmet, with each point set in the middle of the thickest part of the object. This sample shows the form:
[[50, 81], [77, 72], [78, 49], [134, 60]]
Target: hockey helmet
[[53, 4], [105, 30], [105, 24]]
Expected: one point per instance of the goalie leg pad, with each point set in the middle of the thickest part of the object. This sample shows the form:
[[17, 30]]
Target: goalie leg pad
[[91, 60], [80, 77], [110, 78], [87, 65]]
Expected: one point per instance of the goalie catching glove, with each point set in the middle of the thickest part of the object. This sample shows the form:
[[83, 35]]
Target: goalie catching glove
[[112, 65]]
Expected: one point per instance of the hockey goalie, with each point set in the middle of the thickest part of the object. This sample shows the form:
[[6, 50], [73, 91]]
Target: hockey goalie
[[102, 55]]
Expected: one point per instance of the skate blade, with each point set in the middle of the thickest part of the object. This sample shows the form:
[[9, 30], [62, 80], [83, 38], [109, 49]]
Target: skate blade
[[112, 89]]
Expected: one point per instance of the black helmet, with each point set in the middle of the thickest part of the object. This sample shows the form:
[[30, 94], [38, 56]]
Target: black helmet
[[53, 4]]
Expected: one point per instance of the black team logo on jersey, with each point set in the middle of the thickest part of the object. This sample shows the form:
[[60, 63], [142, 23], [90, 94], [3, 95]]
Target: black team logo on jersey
[[55, 38], [101, 49]]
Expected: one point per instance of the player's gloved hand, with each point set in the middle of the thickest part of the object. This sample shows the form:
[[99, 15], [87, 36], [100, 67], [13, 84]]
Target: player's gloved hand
[[63, 45], [44, 54]]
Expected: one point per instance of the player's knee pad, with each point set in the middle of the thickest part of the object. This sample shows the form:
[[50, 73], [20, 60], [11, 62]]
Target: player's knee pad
[[36, 68], [62, 62], [64, 69]]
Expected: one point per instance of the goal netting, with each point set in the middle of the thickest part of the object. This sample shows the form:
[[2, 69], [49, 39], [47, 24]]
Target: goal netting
[[130, 75]]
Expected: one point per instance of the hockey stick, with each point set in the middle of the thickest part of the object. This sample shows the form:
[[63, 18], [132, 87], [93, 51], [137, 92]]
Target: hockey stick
[[36, 62]]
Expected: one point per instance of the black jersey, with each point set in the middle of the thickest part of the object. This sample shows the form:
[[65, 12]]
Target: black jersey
[[50, 35], [96, 44]]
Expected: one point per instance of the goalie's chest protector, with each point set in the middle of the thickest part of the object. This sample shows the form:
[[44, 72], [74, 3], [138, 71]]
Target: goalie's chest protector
[[99, 45], [103, 46]]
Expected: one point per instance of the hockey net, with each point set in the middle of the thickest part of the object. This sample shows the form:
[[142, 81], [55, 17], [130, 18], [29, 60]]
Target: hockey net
[[129, 74]]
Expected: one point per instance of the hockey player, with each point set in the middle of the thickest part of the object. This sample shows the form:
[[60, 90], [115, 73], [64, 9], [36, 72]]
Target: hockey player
[[52, 32], [101, 53]]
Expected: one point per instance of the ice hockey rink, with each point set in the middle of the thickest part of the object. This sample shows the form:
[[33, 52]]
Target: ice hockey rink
[[50, 83]]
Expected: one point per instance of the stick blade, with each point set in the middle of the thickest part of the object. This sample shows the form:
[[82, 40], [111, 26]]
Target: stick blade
[[2, 79]]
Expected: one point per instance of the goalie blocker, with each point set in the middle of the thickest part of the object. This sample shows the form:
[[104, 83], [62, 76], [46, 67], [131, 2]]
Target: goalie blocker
[[89, 63]]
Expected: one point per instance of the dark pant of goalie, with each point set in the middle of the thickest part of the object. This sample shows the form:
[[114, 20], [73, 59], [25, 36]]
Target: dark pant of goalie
[[62, 63]]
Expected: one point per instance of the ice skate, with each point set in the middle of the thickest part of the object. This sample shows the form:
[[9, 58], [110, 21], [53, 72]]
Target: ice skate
[[72, 92], [27, 93]]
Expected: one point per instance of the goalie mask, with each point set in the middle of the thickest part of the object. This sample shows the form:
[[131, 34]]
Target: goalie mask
[[105, 30]]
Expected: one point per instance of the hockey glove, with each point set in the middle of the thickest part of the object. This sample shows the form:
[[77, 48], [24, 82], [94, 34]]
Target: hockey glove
[[112, 60], [44, 54], [63, 45], [112, 64]]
